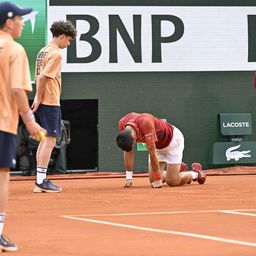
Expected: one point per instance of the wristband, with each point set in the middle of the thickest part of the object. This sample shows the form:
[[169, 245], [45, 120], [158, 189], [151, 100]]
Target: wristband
[[128, 175], [156, 175], [28, 117]]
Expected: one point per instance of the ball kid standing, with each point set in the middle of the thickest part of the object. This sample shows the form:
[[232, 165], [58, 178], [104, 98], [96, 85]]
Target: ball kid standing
[[46, 105]]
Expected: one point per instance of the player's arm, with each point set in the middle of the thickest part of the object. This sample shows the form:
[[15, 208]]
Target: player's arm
[[27, 115], [21, 100], [153, 158], [40, 88], [147, 127], [157, 183], [128, 164]]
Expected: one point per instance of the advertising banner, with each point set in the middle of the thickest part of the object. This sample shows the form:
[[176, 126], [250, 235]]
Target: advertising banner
[[34, 34], [236, 123], [159, 38], [234, 153]]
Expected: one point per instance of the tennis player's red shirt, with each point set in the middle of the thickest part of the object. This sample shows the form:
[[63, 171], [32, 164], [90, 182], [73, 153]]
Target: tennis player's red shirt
[[149, 129]]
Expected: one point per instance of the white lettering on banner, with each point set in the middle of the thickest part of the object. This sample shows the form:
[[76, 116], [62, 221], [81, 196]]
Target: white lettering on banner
[[158, 38], [236, 124]]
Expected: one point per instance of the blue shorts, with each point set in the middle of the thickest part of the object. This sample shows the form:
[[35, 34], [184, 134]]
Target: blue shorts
[[8, 144], [49, 117]]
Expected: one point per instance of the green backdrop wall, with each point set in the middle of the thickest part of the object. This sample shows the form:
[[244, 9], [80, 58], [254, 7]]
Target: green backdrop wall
[[189, 100]]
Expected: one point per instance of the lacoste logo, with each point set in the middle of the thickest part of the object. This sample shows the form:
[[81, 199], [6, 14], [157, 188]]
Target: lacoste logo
[[232, 153], [32, 18]]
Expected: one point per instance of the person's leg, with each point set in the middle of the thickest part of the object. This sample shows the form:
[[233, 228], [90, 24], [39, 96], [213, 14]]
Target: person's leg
[[38, 151], [43, 156], [197, 173], [174, 177], [7, 161], [176, 173], [183, 168], [4, 191], [49, 117]]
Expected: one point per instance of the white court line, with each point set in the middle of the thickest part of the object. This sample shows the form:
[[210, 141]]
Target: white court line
[[213, 238], [161, 213], [239, 213]]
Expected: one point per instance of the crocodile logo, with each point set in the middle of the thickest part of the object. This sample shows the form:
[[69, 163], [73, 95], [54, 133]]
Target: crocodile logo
[[232, 153]]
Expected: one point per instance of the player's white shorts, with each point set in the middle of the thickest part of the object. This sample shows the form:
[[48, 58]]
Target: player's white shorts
[[173, 153]]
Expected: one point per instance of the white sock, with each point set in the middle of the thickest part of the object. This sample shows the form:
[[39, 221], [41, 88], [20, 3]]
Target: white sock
[[194, 175], [164, 175], [2, 218], [129, 175], [40, 174]]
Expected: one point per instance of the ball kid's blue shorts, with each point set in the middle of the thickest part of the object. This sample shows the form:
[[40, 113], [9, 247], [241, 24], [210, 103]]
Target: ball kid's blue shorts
[[8, 144], [49, 117]]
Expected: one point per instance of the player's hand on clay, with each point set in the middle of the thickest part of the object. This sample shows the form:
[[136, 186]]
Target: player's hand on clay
[[157, 184], [128, 183]]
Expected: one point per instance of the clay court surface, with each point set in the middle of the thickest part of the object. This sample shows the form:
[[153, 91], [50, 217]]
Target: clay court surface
[[98, 217]]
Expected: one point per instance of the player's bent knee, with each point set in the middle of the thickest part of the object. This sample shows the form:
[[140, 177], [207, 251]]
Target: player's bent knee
[[173, 182]]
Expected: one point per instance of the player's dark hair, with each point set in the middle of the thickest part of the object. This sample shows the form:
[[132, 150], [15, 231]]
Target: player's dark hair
[[59, 28], [125, 140]]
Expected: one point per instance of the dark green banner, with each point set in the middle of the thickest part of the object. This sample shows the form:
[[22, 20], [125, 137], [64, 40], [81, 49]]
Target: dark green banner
[[236, 124], [234, 153]]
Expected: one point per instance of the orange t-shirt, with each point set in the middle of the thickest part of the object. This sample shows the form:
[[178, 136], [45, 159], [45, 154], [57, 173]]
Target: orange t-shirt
[[14, 73], [48, 63], [149, 129]]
